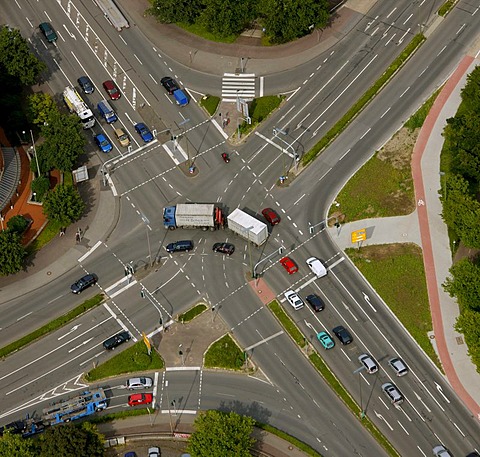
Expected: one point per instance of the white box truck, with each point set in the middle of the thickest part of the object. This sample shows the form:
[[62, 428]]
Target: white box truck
[[193, 215], [247, 227]]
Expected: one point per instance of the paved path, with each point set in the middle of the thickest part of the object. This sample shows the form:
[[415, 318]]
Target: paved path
[[425, 227]]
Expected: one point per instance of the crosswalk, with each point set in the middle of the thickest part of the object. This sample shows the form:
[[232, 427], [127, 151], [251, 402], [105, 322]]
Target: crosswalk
[[238, 86]]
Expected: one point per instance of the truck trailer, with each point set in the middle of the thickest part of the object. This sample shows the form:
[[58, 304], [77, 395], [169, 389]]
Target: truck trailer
[[247, 227], [76, 105], [205, 216]]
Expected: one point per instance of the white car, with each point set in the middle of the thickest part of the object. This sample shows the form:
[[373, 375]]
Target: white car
[[153, 452], [369, 363], [317, 267], [398, 366], [139, 383], [440, 451], [294, 300]]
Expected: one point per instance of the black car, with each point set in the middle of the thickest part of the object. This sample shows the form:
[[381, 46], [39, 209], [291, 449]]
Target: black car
[[86, 84], [170, 84], [83, 283], [116, 340], [180, 246], [224, 248], [48, 32], [342, 334], [315, 302]]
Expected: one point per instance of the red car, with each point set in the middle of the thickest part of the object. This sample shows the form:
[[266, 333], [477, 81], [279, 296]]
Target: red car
[[271, 216], [140, 399], [112, 89], [289, 265]]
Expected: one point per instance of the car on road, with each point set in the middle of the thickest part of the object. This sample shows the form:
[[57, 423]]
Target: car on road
[[393, 394], [111, 89], [122, 137], [144, 132], [224, 248], [180, 246], [140, 399], [154, 452], [326, 340], [103, 143], [271, 216], [169, 84], [342, 334], [289, 265], [315, 302], [398, 366], [441, 451], [317, 267], [295, 301], [369, 363], [86, 84], [130, 454], [116, 340], [139, 383], [84, 282], [48, 32]]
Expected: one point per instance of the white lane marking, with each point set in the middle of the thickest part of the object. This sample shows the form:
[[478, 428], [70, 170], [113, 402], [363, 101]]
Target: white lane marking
[[92, 249], [68, 333], [123, 289], [24, 316], [408, 18], [80, 345], [391, 12], [388, 109], [262, 81], [217, 125], [263, 341], [183, 368]]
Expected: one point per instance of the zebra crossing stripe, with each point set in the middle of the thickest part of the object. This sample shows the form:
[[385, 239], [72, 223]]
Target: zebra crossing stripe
[[238, 86]]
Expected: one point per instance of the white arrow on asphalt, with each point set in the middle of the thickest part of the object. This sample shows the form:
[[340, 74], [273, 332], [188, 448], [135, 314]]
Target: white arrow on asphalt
[[348, 309], [367, 299], [383, 419], [421, 401], [309, 325], [440, 390], [80, 345], [68, 333]]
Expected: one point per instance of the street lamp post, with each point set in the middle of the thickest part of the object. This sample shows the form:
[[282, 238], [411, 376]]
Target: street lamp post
[[279, 252], [35, 152], [147, 227], [295, 155], [250, 250]]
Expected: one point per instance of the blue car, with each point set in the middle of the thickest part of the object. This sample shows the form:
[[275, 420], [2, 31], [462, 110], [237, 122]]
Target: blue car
[[325, 339], [144, 132], [103, 143]]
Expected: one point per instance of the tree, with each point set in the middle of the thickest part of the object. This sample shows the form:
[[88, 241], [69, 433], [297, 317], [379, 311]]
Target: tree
[[464, 284], [63, 204], [15, 446], [220, 434], [227, 17], [468, 323], [12, 253], [64, 142], [176, 11], [471, 92], [16, 57], [40, 186], [41, 107], [18, 224], [72, 440]]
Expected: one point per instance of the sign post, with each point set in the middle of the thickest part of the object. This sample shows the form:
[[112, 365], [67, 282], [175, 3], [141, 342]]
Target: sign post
[[358, 236]]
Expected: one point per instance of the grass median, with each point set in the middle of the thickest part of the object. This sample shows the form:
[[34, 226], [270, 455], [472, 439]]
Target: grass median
[[226, 354], [51, 326], [287, 323], [192, 313]]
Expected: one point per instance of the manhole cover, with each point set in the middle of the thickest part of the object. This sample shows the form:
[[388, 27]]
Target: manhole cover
[[459, 340]]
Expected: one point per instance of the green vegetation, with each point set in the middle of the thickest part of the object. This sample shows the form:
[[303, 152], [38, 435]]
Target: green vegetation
[[12, 252], [210, 103], [135, 358], [63, 204], [192, 313], [49, 232], [104, 418], [364, 100], [52, 326], [396, 272], [446, 7], [202, 32], [417, 119], [287, 323], [224, 353], [259, 110]]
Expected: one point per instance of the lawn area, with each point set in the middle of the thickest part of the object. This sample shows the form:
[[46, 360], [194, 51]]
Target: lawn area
[[131, 360], [192, 313], [287, 323], [396, 272], [210, 103], [225, 353], [259, 110]]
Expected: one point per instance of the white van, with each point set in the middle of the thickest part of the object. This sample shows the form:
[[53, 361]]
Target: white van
[[317, 267]]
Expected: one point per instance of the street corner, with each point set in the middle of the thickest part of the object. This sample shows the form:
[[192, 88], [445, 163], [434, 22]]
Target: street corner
[[262, 291]]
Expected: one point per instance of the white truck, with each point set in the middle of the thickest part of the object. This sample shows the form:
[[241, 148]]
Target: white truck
[[247, 227], [76, 105], [113, 14], [205, 216]]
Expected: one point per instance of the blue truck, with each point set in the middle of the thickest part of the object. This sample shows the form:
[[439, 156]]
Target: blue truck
[[180, 98], [107, 112]]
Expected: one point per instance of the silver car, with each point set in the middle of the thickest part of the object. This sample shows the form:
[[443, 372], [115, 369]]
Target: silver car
[[369, 363], [440, 451], [393, 394], [139, 383], [398, 366], [295, 301]]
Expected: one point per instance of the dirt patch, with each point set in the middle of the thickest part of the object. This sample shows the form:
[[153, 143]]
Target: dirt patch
[[398, 151]]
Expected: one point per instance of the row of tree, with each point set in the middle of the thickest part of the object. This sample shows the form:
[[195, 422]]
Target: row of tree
[[461, 209], [282, 20]]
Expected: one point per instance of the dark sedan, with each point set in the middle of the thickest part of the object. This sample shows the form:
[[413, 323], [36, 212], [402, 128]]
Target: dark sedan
[[224, 248], [315, 302], [342, 334]]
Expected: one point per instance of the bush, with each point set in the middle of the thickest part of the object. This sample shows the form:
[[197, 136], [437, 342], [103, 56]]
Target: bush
[[40, 186], [18, 224]]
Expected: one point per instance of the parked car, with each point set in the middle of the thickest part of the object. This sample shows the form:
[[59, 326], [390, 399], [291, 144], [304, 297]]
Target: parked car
[[84, 282], [153, 452], [103, 143], [144, 132], [289, 265], [393, 394], [111, 89], [140, 399], [295, 301], [122, 137], [398, 366], [369, 363], [441, 451], [326, 340], [342, 334], [180, 246], [116, 340], [169, 84], [271, 216], [86, 84], [130, 454], [317, 267], [48, 32], [139, 383], [224, 248], [315, 302]]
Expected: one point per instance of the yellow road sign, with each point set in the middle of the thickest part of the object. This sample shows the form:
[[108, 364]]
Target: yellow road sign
[[147, 342], [359, 235]]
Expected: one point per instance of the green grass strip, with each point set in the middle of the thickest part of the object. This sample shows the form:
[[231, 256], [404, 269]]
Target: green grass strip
[[364, 100], [446, 8], [51, 326], [225, 353], [104, 418], [133, 359], [192, 313], [287, 323], [210, 103]]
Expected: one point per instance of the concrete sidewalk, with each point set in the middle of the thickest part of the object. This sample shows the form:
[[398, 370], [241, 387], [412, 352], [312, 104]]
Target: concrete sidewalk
[[426, 228]]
